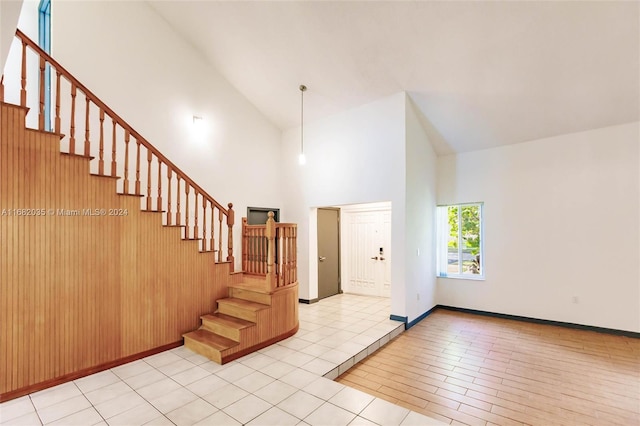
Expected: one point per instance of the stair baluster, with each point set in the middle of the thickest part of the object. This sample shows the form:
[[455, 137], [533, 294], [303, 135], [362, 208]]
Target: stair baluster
[[159, 200], [23, 76], [220, 235], [57, 121], [41, 109], [87, 144], [186, 211], [204, 224], [149, 158], [230, 223], [101, 149], [169, 173], [72, 127], [178, 201], [137, 167], [195, 216], [113, 149], [127, 137], [212, 241]]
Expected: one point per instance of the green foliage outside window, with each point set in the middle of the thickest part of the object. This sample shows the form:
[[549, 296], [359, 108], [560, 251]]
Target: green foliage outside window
[[469, 219]]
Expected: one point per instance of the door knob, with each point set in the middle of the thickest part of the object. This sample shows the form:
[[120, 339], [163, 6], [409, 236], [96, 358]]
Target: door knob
[[322, 258], [375, 258], [381, 258]]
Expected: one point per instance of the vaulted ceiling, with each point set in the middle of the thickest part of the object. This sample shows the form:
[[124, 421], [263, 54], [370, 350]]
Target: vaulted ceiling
[[483, 74]]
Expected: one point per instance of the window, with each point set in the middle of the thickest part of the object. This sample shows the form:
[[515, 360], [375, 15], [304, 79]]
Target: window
[[44, 41], [460, 239]]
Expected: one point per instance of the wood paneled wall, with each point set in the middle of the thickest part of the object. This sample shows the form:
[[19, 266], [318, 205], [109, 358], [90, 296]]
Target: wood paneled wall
[[80, 291]]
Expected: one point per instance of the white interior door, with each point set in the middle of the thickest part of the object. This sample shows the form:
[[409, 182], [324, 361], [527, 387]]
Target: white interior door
[[367, 252]]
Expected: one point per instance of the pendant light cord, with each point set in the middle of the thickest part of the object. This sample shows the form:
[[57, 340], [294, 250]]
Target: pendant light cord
[[302, 90]]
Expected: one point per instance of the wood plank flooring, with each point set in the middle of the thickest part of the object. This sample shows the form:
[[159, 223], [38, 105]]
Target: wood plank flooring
[[469, 369]]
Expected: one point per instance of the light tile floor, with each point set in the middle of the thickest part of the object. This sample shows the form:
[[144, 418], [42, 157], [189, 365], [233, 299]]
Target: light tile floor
[[289, 383]]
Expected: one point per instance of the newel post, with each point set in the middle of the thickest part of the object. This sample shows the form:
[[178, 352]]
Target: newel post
[[270, 233], [230, 222]]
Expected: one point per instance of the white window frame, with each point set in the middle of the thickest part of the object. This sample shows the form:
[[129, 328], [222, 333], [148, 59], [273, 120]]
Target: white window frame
[[442, 239]]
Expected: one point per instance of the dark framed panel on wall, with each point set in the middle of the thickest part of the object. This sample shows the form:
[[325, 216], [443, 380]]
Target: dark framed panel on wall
[[259, 215]]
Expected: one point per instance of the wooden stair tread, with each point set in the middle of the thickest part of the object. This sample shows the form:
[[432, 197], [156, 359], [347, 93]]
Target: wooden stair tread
[[244, 304], [105, 176], [252, 284], [210, 339], [228, 320], [74, 155]]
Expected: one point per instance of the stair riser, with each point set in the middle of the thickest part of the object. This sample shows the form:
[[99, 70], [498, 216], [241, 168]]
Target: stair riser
[[251, 296], [236, 311], [204, 350], [222, 330]]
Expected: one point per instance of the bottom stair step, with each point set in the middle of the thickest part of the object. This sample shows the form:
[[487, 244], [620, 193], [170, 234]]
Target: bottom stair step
[[225, 325], [208, 344]]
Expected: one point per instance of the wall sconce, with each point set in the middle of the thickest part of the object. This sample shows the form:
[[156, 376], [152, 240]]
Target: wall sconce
[[197, 122]]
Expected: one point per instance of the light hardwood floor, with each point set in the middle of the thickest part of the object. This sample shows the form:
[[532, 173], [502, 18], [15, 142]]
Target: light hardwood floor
[[469, 369]]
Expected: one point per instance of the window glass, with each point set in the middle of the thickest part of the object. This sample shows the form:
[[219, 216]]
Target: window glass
[[459, 251]]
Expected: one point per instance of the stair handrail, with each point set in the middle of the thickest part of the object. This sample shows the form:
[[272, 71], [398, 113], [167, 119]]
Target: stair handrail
[[121, 122], [45, 58]]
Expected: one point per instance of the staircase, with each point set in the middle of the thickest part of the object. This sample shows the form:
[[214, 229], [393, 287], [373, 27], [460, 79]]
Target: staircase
[[110, 252], [249, 319]]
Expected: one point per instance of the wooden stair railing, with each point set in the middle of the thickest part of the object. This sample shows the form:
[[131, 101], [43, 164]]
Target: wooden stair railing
[[182, 202], [270, 250]]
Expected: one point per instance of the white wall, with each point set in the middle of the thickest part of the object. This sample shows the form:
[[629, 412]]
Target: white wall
[[9, 15], [419, 260], [129, 57], [561, 221], [357, 156]]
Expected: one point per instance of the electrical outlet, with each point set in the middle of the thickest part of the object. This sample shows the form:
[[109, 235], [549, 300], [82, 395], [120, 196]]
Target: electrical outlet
[[417, 252], [575, 299], [418, 296]]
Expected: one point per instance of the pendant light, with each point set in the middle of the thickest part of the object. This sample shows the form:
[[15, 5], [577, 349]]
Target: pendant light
[[301, 158]]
